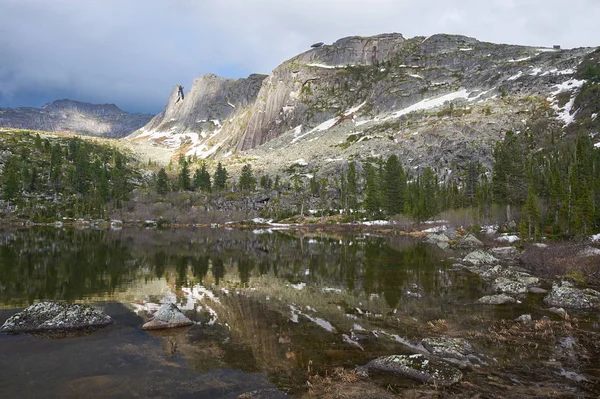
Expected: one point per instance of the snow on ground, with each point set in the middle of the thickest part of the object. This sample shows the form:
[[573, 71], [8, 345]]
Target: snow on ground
[[520, 59], [510, 239], [595, 238], [328, 124], [415, 76], [230, 104], [376, 223], [437, 229], [564, 113], [429, 103], [466, 49], [328, 66], [597, 145]]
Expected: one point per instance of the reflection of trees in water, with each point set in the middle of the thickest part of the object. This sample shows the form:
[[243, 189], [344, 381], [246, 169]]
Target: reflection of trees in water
[[71, 264]]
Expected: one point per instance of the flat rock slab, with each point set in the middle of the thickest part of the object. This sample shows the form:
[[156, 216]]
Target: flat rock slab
[[567, 296], [56, 316], [500, 299], [456, 348], [479, 257], [417, 367], [168, 316]]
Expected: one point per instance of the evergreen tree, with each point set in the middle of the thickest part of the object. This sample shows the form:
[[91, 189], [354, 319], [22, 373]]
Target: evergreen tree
[[162, 182], [184, 174], [202, 179], [247, 180], [394, 186], [221, 177], [11, 181], [352, 186], [372, 202]]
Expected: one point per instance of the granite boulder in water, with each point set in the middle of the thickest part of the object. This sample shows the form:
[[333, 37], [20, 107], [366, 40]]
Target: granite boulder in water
[[417, 367], [168, 316], [55, 316]]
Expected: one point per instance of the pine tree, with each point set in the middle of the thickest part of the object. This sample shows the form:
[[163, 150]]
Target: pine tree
[[184, 174], [247, 180], [221, 177], [162, 182], [11, 181], [394, 186]]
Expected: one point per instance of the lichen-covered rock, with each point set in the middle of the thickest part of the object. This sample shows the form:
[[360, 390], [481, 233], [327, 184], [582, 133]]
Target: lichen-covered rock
[[49, 316], [508, 286], [479, 257], [168, 316], [469, 241], [417, 367], [501, 299], [567, 296], [456, 348]]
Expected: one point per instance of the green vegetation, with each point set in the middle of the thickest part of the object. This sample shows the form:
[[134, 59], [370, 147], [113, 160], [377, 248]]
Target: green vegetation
[[48, 178]]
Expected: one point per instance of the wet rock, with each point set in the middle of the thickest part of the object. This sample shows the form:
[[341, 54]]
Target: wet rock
[[441, 240], [501, 299], [559, 311], [567, 296], [56, 316], [524, 318], [417, 367], [469, 241], [456, 348], [504, 252], [479, 257], [168, 316], [508, 286]]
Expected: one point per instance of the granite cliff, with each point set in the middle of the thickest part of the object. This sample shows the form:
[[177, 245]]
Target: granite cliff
[[438, 101]]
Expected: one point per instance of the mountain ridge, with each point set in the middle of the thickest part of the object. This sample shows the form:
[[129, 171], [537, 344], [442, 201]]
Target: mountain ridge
[[105, 120]]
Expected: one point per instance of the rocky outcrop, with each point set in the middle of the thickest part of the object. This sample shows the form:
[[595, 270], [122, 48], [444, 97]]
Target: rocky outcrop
[[501, 299], [417, 367], [55, 316], [168, 316], [195, 117], [566, 295], [105, 120]]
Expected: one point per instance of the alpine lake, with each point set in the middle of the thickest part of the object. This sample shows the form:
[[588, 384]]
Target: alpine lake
[[276, 312]]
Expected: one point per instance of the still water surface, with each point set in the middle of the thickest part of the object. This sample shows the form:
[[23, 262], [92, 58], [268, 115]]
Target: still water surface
[[267, 304]]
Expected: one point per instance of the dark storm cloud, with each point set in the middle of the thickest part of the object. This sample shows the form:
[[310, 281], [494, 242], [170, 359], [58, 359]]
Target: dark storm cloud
[[131, 52]]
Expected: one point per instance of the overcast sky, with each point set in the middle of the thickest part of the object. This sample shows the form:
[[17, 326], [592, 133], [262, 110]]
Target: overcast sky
[[132, 52]]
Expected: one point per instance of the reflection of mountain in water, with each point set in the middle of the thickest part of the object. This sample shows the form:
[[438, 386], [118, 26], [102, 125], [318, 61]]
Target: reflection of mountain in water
[[74, 264]]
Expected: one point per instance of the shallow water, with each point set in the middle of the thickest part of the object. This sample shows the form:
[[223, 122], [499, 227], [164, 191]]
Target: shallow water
[[268, 306]]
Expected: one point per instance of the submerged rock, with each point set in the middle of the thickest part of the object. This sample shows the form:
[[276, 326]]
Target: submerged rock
[[51, 316], [559, 311], [417, 367], [168, 316], [567, 296], [480, 258], [496, 300]]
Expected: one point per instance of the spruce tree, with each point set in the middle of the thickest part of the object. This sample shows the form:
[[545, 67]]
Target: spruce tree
[[11, 181], [221, 177], [247, 180], [394, 186], [184, 174], [162, 182]]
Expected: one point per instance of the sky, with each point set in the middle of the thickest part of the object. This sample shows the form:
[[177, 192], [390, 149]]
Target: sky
[[132, 52]]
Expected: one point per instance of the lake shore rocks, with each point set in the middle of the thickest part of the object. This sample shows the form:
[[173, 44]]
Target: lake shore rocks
[[500, 299], [56, 316], [566, 295], [168, 316], [417, 367]]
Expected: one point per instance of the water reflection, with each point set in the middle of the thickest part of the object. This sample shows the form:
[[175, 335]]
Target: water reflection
[[71, 264]]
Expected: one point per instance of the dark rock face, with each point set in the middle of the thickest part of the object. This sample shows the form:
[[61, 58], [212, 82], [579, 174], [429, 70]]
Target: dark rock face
[[105, 120], [55, 316], [168, 316], [417, 367]]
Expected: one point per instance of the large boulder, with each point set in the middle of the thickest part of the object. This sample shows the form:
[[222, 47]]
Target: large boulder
[[56, 316], [567, 296], [417, 367], [469, 241], [168, 316], [479, 258]]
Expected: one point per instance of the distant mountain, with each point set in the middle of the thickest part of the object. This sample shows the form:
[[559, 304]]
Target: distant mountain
[[105, 120], [439, 101]]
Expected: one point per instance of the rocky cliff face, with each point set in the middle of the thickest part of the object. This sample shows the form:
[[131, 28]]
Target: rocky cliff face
[[189, 119], [438, 101], [105, 120]]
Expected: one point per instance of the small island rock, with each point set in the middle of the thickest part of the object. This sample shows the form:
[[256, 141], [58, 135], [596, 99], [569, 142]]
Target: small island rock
[[168, 316]]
